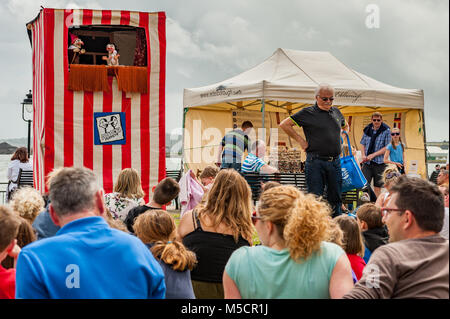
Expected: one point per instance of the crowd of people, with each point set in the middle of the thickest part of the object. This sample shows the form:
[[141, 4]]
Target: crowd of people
[[77, 242]]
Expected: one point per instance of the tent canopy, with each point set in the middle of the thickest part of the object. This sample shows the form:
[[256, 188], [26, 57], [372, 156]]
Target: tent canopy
[[286, 82]]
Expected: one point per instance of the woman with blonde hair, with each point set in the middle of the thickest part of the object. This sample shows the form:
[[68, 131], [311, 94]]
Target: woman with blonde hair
[[295, 259], [390, 178], [157, 229], [395, 152], [27, 202], [127, 194], [216, 229]]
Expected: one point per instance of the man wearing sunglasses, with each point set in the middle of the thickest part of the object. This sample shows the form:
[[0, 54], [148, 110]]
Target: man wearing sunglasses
[[415, 262], [322, 125], [376, 137]]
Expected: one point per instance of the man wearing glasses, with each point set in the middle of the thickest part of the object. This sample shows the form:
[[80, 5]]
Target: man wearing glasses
[[376, 137], [415, 262], [322, 125]]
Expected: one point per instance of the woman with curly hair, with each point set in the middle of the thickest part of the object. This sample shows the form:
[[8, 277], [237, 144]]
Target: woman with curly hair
[[157, 229], [213, 231], [27, 202], [295, 259]]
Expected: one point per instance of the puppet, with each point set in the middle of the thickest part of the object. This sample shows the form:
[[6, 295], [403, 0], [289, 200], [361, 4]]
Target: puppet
[[75, 49], [113, 56]]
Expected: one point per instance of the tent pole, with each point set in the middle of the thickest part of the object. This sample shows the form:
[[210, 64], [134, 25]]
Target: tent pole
[[263, 110], [425, 144]]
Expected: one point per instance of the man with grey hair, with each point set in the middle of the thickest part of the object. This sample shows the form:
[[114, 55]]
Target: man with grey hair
[[86, 258], [322, 125], [254, 162]]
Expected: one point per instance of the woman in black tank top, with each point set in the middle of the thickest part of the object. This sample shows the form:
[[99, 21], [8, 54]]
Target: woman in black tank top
[[228, 205]]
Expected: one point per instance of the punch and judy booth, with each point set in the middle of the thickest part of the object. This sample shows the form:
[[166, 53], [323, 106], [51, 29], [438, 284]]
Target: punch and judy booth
[[99, 93]]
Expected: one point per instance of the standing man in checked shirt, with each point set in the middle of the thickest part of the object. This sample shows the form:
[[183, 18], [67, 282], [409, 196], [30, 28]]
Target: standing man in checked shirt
[[376, 137]]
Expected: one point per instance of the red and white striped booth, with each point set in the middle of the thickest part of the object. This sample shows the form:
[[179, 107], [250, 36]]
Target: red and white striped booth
[[66, 122]]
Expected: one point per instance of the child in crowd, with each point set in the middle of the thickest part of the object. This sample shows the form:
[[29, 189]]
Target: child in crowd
[[9, 226], [25, 236], [127, 194], [337, 237], [157, 229], [27, 202], [373, 230], [164, 193], [390, 178], [353, 243], [207, 177]]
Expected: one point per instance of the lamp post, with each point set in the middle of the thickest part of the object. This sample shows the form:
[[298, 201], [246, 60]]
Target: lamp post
[[27, 104]]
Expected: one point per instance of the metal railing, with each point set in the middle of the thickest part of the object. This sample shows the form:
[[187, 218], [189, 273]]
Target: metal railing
[[3, 186]]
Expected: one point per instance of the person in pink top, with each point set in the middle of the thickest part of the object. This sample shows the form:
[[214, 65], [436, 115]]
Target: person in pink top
[[352, 243]]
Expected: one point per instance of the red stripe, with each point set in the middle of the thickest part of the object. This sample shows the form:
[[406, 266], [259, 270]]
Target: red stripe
[[35, 115], [68, 101], [126, 149], [106, 17], [145, 116], [107, 149], [87, 16], [88, 130], [125, 17], [49, 90], [162, 100]]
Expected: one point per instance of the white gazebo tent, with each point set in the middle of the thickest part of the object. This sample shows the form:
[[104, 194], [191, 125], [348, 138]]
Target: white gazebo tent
[[285, 83]]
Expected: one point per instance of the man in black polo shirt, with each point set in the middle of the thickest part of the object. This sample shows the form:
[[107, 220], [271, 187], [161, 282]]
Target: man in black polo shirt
[[322, 125]]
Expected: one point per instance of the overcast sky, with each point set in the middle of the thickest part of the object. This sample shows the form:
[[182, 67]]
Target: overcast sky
[[209, 41]]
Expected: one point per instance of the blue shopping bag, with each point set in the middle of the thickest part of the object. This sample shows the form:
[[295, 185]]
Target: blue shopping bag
[[352, 176]]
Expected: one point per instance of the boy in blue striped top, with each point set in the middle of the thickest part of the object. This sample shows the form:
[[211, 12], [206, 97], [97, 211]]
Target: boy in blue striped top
[[254, 161]]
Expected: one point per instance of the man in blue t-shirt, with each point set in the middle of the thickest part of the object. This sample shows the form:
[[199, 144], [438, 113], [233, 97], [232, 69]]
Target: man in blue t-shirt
[[86, 259]]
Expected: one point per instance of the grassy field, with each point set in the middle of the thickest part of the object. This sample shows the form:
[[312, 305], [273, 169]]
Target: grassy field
[[176, 215]]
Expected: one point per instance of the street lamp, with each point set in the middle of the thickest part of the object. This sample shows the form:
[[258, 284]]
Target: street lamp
[[28, 105]]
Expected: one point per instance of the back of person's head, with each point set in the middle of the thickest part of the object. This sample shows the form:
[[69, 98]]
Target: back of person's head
[[269, 185], [157, 227], [336, 234], [246, 124], [371, 215], [229, 202], [25, 235], [114, 223], [28, 202], [9, 226], [209, 171], [423, 199], [20, 154], [353, 242], [72, 190], [300, 219], [390, 176], [166, 191], [129, 184]]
